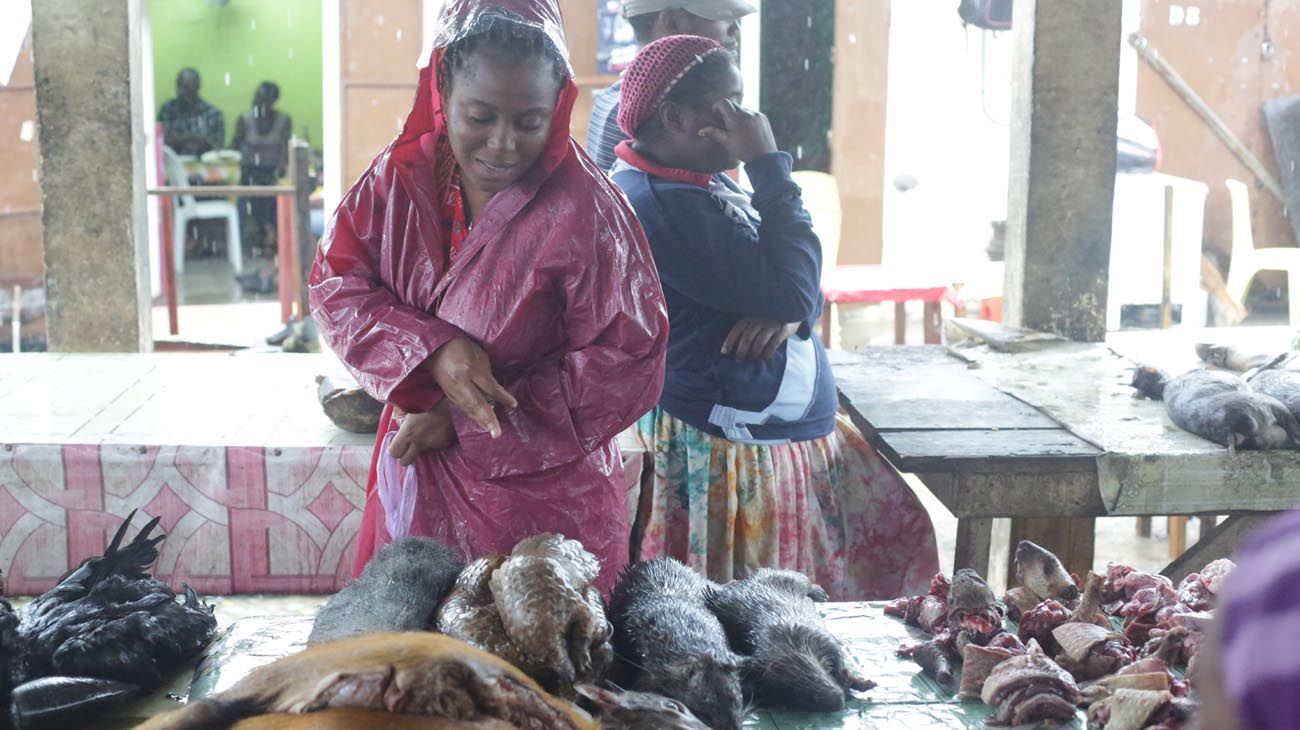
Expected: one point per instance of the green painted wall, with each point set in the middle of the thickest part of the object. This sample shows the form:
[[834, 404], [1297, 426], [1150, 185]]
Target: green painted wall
[[238, 46]]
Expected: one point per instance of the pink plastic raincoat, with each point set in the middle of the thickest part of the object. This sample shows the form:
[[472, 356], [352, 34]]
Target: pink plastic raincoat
[[555, 282]]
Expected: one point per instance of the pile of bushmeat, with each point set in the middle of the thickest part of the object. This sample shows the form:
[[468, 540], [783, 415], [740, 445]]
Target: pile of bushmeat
[[1111, 647]]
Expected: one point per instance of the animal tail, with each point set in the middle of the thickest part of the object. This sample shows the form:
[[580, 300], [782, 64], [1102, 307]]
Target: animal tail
[[1273, 364], [210, 713], [134, 559]]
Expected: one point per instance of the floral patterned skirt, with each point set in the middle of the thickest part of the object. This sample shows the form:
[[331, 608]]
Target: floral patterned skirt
[[831, 508]]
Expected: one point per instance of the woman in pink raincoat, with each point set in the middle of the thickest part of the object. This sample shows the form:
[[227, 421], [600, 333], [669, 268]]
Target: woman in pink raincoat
[[489, 284]]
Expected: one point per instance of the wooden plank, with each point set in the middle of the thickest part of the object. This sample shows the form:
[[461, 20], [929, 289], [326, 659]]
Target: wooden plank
[[917, 450], [1005, 338], [1025, 488], [1071, 539], [1222, 542], [931, 395]]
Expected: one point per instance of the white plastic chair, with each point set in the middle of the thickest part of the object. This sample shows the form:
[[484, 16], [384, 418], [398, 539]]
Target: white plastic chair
[[821, 198], [1248, 260], [186, 209]]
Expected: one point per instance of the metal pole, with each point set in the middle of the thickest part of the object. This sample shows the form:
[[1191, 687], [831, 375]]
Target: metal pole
[[306, 248], [1203, 110], [1166, 291], [18, 318]]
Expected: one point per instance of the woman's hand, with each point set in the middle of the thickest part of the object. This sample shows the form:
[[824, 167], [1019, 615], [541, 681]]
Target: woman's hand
[[464, 374], [421, 432], [745, 133], [757, 339]]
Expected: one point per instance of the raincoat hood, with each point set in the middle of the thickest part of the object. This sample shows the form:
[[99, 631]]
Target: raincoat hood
[[460, 19]]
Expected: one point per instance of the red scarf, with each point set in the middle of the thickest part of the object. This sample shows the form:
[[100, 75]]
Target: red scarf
[[451, 202]]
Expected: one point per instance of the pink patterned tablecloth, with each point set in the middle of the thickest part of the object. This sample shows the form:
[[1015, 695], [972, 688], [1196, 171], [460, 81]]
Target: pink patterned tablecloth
[[238, 519]]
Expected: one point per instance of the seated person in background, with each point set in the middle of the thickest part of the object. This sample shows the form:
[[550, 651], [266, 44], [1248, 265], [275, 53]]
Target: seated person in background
[[262, 137], [753, 467], [1248, 673], [191, 126]]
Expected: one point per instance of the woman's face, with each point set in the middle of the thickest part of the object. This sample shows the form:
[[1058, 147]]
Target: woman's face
[[499, 118], [703, 154]]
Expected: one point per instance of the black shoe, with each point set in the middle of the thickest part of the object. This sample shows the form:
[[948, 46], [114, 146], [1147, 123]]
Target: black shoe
[[278, 338]]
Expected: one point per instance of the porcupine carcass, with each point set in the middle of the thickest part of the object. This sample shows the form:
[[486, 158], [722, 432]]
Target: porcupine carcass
[[399, 590], [552, 612], [668, 641], [1221, 407], [792, 659]]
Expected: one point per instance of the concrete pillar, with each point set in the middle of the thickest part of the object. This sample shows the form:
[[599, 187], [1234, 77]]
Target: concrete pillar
[[92, 175], [1065, 91]]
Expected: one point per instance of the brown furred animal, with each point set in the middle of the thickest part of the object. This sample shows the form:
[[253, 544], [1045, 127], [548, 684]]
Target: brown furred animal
[[417, 673]]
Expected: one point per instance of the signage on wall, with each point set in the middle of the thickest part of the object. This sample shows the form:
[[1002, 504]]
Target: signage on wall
[[1189, 15], [615, 41]]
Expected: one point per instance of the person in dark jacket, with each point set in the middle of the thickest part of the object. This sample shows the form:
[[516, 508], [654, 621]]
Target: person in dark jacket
[[754, 467]]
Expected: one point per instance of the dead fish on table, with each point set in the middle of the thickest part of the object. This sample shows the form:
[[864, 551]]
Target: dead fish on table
[[1221, 407]]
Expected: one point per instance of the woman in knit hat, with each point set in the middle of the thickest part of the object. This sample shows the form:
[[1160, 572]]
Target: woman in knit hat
[[754, 467], [1248, 673]]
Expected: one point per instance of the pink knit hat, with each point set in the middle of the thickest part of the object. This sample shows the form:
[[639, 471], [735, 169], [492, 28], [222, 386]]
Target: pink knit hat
[[654, 72]]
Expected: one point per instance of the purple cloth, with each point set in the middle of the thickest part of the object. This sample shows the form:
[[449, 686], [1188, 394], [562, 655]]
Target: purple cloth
[[1261, 628]]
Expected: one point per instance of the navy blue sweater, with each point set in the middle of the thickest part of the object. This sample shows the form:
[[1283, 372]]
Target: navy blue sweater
[[724, 256]]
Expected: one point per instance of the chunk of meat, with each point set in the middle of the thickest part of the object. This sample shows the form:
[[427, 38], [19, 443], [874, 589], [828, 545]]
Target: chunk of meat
[[1038, 623]]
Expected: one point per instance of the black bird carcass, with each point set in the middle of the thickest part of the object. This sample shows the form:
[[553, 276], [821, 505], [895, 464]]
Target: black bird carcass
[[106, 632]]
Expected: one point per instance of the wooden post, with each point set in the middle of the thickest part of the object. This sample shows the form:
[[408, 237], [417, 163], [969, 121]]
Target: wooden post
[[1177, 536], [933, 323], [1144, 527], [1208, 523], [306, 244], [1065, 96], [900, 323]]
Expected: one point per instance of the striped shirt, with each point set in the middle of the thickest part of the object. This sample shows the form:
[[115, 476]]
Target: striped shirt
[[604, 135], [1261, 627]]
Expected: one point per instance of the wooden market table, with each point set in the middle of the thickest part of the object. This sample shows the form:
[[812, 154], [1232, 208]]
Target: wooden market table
[[1055, 433]]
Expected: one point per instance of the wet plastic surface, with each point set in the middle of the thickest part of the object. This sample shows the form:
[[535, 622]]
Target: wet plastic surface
[[904, 697]]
